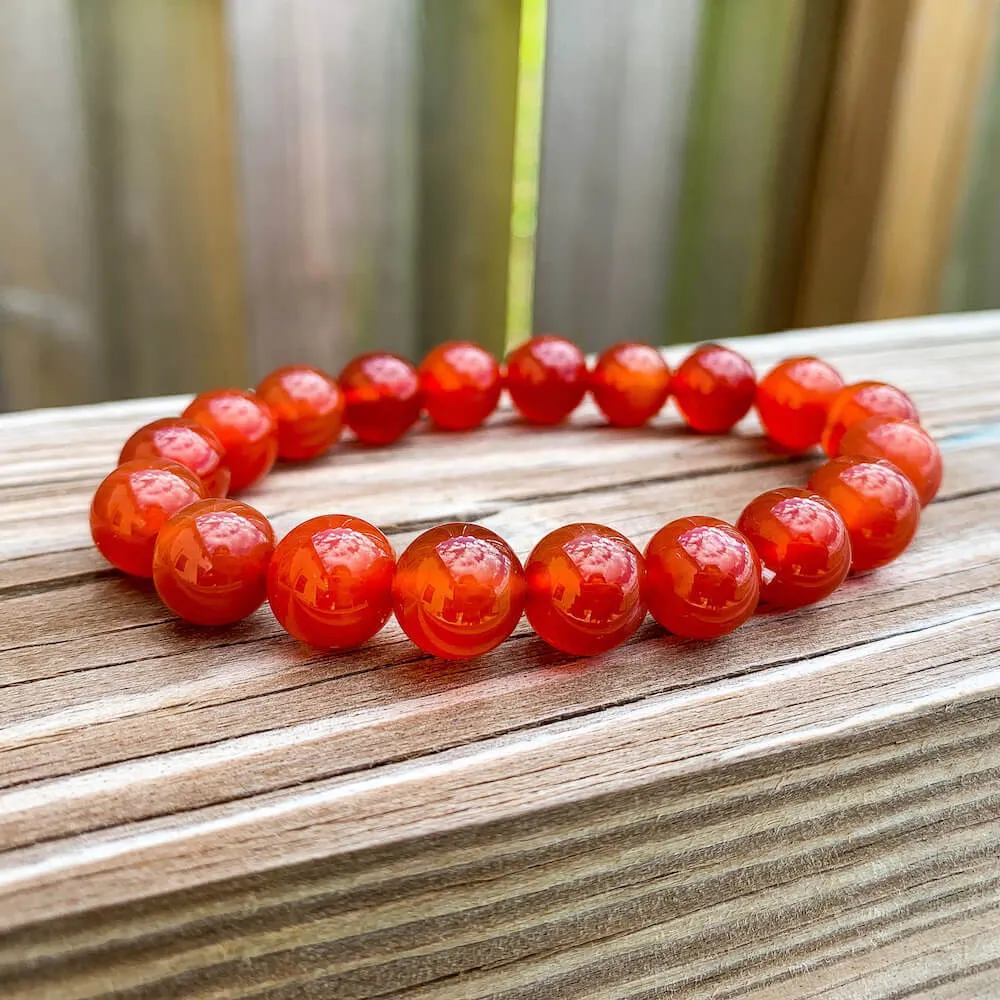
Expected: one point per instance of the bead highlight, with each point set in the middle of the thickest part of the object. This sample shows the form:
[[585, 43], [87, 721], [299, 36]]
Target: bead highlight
[[131, 506], [458, 591], [330, 581], [585, 589], [702, 577]]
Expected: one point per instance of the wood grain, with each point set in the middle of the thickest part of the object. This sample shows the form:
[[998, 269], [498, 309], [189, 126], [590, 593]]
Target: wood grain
[[807, 808]]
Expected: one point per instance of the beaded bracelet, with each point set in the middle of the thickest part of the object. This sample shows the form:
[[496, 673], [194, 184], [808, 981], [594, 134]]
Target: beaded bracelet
[[459, 589]]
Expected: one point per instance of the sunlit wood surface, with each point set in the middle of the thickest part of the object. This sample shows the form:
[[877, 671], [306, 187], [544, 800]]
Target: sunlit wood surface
[[807, 808]]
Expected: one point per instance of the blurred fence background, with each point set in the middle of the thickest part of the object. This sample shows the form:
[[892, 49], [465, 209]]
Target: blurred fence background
[[195, 191]]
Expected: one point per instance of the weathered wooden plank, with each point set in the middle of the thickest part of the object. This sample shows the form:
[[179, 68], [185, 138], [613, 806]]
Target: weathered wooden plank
[[159, 124], [328, 94], [469, 97], [617, 80], [50, 346], [807, 805]]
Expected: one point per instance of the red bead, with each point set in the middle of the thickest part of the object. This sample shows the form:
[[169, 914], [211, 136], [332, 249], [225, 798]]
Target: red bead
[[904, 443], [793, 400], [330, 581], [585, 589], [184, 441], [546, 379], [630, 383], [382, 396], [460, 385], [878, 503], [308, 407], [802, 544], [860, 401], [210, 563], [714, 388], [245, 426], [131, 506], [458, 591], [702, 577]]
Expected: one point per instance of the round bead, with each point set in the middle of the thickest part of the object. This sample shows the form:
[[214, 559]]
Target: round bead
[[330, 581], [904, 443], [458, 590], [793, 400], [308, 407], [546, 379], [132, 504], [630, 383], [210, 562], [382, 397], [860, 401], [184, 441], [460, 385], [878, 503], [585, 589], [714, 388], [702, 577], [245, 426], [802, 543]]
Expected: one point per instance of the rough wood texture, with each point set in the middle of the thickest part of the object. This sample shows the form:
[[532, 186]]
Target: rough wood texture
[[808, 808]]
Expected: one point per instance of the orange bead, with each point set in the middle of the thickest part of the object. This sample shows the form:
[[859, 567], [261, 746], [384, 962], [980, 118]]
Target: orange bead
[[132, 505], [546, 379], [330, 581], [458, 590], [184, 441], [245, 425], [860, 401], [210, 562], [382, 397], [585, 589], [460, 385], [630, 383], [714, 388], [802, 543], [878, 503], [793, 400], [904, 443], [308, 407], [702, 577]]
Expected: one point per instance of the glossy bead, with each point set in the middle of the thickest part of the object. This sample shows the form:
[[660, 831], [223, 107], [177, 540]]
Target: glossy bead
[[330, 581], [714, 388], [245, 426], [860, 401], [904, 443], [210, 562], [793, 400], [460, 385], [381, 396], [802, 543], [878, 503], [458, 590], [132, 504], [702, 577], [184, 441], [585, 589], [630, 383], [546, 378], [308, 407]]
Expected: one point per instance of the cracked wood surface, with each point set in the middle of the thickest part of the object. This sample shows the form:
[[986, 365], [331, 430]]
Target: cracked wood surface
[[806, 808]]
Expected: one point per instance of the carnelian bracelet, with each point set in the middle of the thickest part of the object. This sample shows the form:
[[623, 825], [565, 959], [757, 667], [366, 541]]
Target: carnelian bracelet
[[459, 589]]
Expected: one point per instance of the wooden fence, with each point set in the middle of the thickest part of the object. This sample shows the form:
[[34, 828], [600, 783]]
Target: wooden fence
[[194, 191]]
